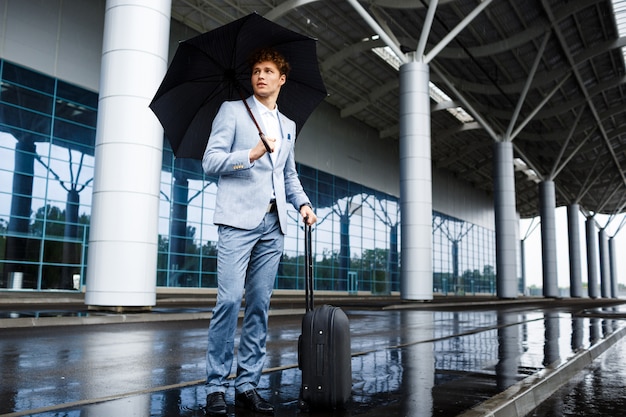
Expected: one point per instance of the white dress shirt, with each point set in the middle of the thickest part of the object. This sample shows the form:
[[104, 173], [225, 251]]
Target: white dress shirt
[[272, 126]]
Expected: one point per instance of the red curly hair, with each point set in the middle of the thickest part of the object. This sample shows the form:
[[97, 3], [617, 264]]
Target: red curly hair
[[272, 55]]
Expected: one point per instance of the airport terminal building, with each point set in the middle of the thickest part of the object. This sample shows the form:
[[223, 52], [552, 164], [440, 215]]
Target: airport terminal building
[[417, 182]]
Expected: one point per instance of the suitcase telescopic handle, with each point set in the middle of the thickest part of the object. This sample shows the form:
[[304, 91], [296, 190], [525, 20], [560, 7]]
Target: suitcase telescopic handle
[[308, 268]]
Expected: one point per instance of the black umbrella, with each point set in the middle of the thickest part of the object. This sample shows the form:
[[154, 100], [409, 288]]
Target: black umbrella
[[213, 67]]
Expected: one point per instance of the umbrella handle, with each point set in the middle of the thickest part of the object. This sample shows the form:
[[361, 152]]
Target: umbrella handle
[[262, 136]]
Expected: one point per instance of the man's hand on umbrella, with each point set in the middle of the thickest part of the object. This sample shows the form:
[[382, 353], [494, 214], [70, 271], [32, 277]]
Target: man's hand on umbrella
[[259, 150]]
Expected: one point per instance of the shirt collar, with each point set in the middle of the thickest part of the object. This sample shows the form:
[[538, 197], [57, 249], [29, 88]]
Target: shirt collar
[[264, 110]]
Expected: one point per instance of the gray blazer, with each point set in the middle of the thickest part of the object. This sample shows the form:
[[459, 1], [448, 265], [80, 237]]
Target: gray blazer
[[245, 189]]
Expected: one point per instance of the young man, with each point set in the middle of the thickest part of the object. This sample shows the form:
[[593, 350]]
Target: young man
[[251, 212]]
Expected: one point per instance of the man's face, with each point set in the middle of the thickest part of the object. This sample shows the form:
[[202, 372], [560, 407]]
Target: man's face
[[266, 79]]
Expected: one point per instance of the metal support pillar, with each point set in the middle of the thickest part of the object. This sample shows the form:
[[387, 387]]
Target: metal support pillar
[[415, 183], [547, 203], [605, 266], [575, 264], [506, 220], [123, 241], [613, 263], [592, 258], [522, 246]]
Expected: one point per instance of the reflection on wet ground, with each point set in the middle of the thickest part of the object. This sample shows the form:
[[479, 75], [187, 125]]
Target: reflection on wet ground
[[405, 362], [597, 392]]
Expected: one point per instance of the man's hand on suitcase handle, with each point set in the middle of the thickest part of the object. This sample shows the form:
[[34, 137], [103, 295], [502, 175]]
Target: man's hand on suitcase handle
[[309, 217]]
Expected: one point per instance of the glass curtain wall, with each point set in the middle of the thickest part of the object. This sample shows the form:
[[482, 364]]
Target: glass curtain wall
[[355, 240], [463, 257], [47, 136]]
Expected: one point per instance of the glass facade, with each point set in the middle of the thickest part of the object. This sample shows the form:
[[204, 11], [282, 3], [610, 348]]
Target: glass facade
[[464, 257], [47, 137], [47, 134]]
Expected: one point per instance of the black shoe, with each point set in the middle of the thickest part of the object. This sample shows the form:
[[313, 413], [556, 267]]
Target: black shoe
[[253, 401], [216, 404]]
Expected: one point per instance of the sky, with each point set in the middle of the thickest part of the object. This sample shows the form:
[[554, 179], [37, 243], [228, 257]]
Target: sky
[[534, 275]]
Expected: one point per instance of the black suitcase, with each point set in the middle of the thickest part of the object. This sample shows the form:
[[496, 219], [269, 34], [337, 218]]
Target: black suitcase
[[324, 353]]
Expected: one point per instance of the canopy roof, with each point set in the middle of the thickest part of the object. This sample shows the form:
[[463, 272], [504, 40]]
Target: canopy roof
[[547, 75]]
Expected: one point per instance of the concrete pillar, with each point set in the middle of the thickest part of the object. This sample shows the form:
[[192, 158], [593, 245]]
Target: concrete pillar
[[575, 263], [415, 183], [522, 247], [128, 155], [605, 266], [613, 263], [547, 204], [592, 258], [506, 220]]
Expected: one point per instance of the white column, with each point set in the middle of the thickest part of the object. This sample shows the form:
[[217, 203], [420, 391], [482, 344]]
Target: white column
[[592, 258], [506, 220], [575, 263], [522, 247], [129, 145], [613, 265], [547, 204], [605, 265], [415, 183]]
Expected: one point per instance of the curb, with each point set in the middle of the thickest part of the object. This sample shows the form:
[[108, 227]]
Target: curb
[[285, 305], [522, 398], [121, 318]]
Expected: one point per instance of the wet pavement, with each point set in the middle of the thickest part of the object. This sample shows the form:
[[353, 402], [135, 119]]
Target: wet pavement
[[424, 359], [598, 391]]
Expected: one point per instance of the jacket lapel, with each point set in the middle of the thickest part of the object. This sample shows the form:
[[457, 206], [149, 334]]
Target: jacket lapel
[[255, 112], [287, 136]]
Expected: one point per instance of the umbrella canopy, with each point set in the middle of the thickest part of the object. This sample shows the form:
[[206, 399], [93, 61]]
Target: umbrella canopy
[[213, 67]]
